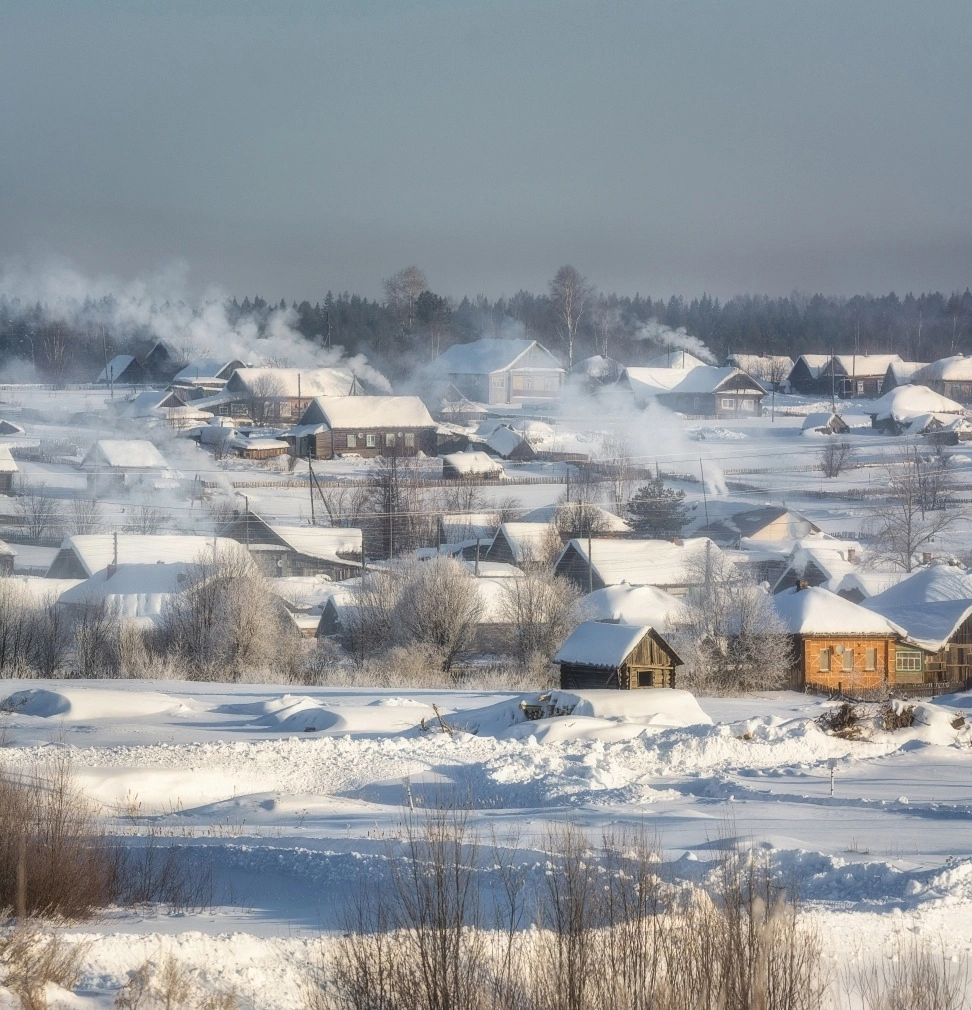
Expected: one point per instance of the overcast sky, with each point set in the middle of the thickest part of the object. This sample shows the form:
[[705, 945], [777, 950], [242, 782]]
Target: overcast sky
[[287, 148]]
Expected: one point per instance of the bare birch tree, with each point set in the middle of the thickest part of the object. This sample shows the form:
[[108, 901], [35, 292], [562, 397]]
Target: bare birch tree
[[402, 290], [571, 296]]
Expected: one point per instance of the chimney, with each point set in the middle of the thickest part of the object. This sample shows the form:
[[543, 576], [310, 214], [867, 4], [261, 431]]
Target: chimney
[[677, 541], [926, 558], [852, 555], [111, 569], [801, 585]]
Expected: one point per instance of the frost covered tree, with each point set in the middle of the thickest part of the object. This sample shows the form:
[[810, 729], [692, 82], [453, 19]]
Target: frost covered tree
[[657, 511], [570, 295], [540, 611], [732, 639]]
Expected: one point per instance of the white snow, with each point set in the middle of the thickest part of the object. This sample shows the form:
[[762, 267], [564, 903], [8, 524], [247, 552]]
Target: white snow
[[472, 463], [597, 644], [374, 412], [817, 611], [124, 454], [905, 402]]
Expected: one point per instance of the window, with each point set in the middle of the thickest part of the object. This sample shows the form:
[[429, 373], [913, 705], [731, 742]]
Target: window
[[747, 405], [499, 382], [409, 440], [389, 439], [352, 442], [825, 660], [870, 659], [907, 661], [860, 387], [370, 441], [224, 409], [285, 408], [646, 678], [727, 403], [848, 660]]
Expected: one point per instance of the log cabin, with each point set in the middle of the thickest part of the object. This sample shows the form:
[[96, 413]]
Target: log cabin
[[597, 655], [703, 391], [857, 374], [502, 371]]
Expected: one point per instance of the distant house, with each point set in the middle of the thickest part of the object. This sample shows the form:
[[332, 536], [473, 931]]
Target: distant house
[[168, 407], [638, 605], [502, 371], [8, 467], [674, 567], [121, 461], [837, 644], [454, 408], [674, 357], [951, 377], [934, 607], [204, 377], [161, 363], [900, 373], [805, 374], [896, 411], [509, 444], [857, 374], [820, 562], [521, 543], [768, 523], [254, 447], [122, 370], [80, 557], [136, 592], [703, 391], [283, 550], [461, 465], [7, 555], [771, 371], [332, 426], [825, 423], [280, 395], [618, 656], [465, 528]]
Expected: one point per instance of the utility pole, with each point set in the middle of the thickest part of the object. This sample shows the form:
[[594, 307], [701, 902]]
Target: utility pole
[[477, 557], [298, 396], [310, 485], [705, 498], [590, 561], [246, 521], [833, 390]]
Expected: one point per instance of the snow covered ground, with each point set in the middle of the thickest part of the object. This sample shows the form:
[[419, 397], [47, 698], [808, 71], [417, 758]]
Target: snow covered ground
[[291, 796]]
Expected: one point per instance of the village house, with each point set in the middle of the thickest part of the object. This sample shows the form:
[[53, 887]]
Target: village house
[[161, 363], [167, 406], [502, 371], [333, 426], [82, 556], [648, 606], [284, 550], [524, 543], [274, 396], [250, 445], [134, 592], [122, 370], [901, 373], [934, 607], [857, 374], [951, 377], [454, 408], [818, 561], [771, 523], [838, 645], [510, 444], [805, 378], [674, 357], [619, 656], [8, 468], [122, 462], [703, 391], [674, 567], [7, 556], [771, 371], [471, 464], [204, 377], [897, 411]]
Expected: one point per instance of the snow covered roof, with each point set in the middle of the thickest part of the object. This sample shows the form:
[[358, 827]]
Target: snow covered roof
[[473, 463], [270, 382], [904, 371], [910, 401], [827, 554], [869, 583], [599, 367], [480, 357], [817, 611], [40, 589], [645, 562], [525, 538], [468, 526], [646, 382], [604, 521], [115, 367], [814, 362], [134, 590], [372, 412], [146, 403], [7, 463], [928, 585], [96, 550], [763, 367], [600, 645], [820, 420], [637, 605], [324, 542], [956, 368], [124, 454], [674, 358], [863, 366], [504, 441], [930, 605], [207, 368]]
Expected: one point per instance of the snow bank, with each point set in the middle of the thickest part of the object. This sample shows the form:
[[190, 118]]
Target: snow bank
[[87, 703]]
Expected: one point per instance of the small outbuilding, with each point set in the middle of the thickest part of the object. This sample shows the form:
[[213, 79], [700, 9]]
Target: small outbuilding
[[599, 655], [825, 423], [463, 465], [8, 467]]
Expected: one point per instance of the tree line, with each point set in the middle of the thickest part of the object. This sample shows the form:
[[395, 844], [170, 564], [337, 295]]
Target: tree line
[[412, 323]]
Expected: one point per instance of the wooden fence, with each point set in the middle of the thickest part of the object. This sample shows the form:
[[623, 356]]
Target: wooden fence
[[884, 691]]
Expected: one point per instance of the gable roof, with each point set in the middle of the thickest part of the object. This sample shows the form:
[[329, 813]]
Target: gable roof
[[481, 357], [930, 605], [604, 646], [95, 551], [762, 366], [124, 454], [862, 366], [524, 538], [505, 441], [956, 368], [904, 371], [604, 521], [116, 367], [644, 562], [471, 462], [824, 419], [368, 412], [208, 368], [817, 611], [284, 382], [637, 605], [828, 555], [327, 543], [648, 382], [674, 358], [814, 363], [752, 521]]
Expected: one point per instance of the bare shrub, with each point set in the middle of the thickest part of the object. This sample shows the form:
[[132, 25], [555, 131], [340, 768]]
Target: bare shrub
[[147, 520], [914, 978], [842, 720], [896, 715], [41, 516], [540, 611], [170, 986], [84, 516], [55, 857], [369, 622], [95, 634], [32, 957], [18, 629], [837, 456]]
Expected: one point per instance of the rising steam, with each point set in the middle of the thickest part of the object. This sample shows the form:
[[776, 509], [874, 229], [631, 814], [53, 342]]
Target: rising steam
[[664, 336]]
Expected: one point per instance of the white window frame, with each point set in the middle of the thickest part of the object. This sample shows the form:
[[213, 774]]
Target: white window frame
[[728, 403], [389, 440], [370, 441], [825, 660], [847, 660], [409, 440]]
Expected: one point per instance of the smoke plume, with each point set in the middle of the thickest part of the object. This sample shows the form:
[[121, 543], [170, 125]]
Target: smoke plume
[[664, 336]]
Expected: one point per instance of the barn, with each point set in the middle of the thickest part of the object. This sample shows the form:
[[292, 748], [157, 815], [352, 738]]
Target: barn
[[621, 656]]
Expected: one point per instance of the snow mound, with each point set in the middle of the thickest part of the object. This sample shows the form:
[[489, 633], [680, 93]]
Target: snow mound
[[291, 713], [703, 434], [84, 704]]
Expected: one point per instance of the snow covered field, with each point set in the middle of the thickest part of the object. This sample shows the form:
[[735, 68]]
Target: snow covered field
[[292, 796]]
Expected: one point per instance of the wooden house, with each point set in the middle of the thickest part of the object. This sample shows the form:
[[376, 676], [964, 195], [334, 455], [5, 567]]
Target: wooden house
[[334, 426], [454, 408], [825, 423], [502, 371], [857, 374], [934, 607], [900, 373], [471, 465], [805, 378], [113, 462], [161, 363], [7, 555], [895, 412], [703, 391], [818, 561], [772, 523], [951, 377], [839, 645], [771, 371], [122, 370], [598, 655], [523, 543], [282, 550], [8, 470], [82, 556], [258, 448], [510, 444]]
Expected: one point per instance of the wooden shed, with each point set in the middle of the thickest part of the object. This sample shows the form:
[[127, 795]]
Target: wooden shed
[[602, 655]]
